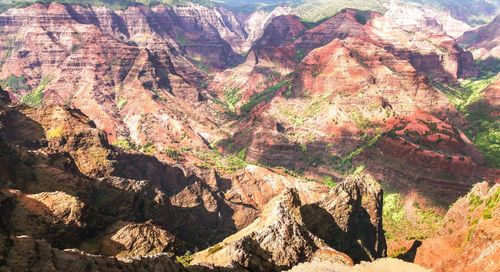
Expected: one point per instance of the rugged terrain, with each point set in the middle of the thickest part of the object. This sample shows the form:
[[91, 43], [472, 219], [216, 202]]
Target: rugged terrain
[[180, 136]]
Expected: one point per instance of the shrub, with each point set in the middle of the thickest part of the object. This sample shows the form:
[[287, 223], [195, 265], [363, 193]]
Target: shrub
[[55, 133], [185, 259], [398, 224], [242, 154], [16, 83], [172, 153], [123, 143], [121, 103], [328, 181], [491, 204], [232, 97], [265, 95], [148, 149], [35, 98], [215, 248]]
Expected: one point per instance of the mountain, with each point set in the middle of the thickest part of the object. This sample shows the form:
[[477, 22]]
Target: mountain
[[248, 135], [483, 41]]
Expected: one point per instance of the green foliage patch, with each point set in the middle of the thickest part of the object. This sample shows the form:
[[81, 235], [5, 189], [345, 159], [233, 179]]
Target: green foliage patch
[[185, 260], [328, 181], [232, 97], [35, 98], [265, 95], [15, 83], [399, 225], [225, 163], [485, 130]]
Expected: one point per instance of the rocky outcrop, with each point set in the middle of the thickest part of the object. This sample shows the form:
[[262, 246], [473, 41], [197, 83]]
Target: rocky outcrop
[[349, 219], [72, 187], [253, 187], [137, 239], [24, 254], [277, 240], [469, 238]]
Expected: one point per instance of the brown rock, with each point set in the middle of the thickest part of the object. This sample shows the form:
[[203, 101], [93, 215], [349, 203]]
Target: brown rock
[[276, 240], [137, 239]]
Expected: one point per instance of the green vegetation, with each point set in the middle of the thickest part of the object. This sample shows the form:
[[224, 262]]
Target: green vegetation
[[186, 259], [299, 55], [215, 248], [55, 133], [15, 83], [224, 163], [232, 97], [485, 130], [124, 143], [360, 120], [345, 163], [489, 67], [172, 153], [474, 201], [491, 204], [200, 63], [121, 102], [265, 95], [35, 98], [399, 224], [328, 181], [242, 155], [148, 149]]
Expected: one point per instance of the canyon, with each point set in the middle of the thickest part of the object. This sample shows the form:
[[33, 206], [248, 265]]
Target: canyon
[[195, 136]]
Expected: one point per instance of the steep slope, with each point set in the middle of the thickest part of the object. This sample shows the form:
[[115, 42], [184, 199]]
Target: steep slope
[[483, 41], [131, 71], [71, 163], [469, 239], [288, 232], [354, 84], [275, 241], [61, 181]]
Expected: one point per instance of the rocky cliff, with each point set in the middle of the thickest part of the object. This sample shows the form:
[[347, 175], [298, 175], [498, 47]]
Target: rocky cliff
[[63, 183], [128, 137]]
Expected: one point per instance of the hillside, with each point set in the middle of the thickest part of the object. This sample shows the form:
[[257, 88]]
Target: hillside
[[249, 135]]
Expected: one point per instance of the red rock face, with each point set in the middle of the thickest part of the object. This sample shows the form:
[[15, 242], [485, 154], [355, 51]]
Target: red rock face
[[129, 71], [358, 71], [440, 159]]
